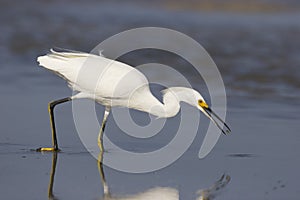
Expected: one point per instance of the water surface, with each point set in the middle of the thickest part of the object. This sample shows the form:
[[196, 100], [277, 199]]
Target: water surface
[[257, 55]]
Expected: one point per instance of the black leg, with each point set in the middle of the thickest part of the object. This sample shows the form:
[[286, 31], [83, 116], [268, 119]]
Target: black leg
[[51, 106], [100, 136], [101, 153], [102, 175]]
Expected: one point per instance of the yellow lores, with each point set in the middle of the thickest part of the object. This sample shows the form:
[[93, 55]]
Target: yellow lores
[[202, 104]]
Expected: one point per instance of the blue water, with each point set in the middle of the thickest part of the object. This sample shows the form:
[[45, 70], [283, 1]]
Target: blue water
[[256, 53]]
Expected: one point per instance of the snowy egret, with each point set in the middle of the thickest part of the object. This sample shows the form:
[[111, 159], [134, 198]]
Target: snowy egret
[[134, 92]]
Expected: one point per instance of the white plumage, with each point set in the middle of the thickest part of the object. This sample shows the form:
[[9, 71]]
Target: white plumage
[[94, 74], [112, 83]]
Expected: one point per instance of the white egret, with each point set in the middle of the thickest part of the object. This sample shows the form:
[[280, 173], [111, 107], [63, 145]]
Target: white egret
[[134, 91]]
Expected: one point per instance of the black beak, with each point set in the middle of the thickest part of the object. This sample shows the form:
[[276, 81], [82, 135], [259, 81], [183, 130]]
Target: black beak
[[225, 130]]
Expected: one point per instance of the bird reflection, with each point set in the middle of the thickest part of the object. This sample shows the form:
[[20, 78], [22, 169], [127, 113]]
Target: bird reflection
[[211, 192], [156, 193], [163, 193], [52, 174]]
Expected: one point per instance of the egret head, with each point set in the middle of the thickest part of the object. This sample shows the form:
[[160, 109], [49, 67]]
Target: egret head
[[203, 106], [172, 96]]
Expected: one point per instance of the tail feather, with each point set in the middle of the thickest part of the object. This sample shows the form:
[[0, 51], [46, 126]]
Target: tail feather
[[64, 64], [69, 53]]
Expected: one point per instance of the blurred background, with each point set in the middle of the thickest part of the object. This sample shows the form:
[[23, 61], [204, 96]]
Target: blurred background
[[255, 45]]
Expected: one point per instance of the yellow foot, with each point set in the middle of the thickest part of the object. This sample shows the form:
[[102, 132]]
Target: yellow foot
[[47, 149]]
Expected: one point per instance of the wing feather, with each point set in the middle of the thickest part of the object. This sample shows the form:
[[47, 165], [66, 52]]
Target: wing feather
[[94, 74]]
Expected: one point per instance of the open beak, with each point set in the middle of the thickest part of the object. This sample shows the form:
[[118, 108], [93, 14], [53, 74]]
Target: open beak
[[211, 115]]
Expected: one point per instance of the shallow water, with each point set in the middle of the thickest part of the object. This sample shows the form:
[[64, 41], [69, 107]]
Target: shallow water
[[257, 55]]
